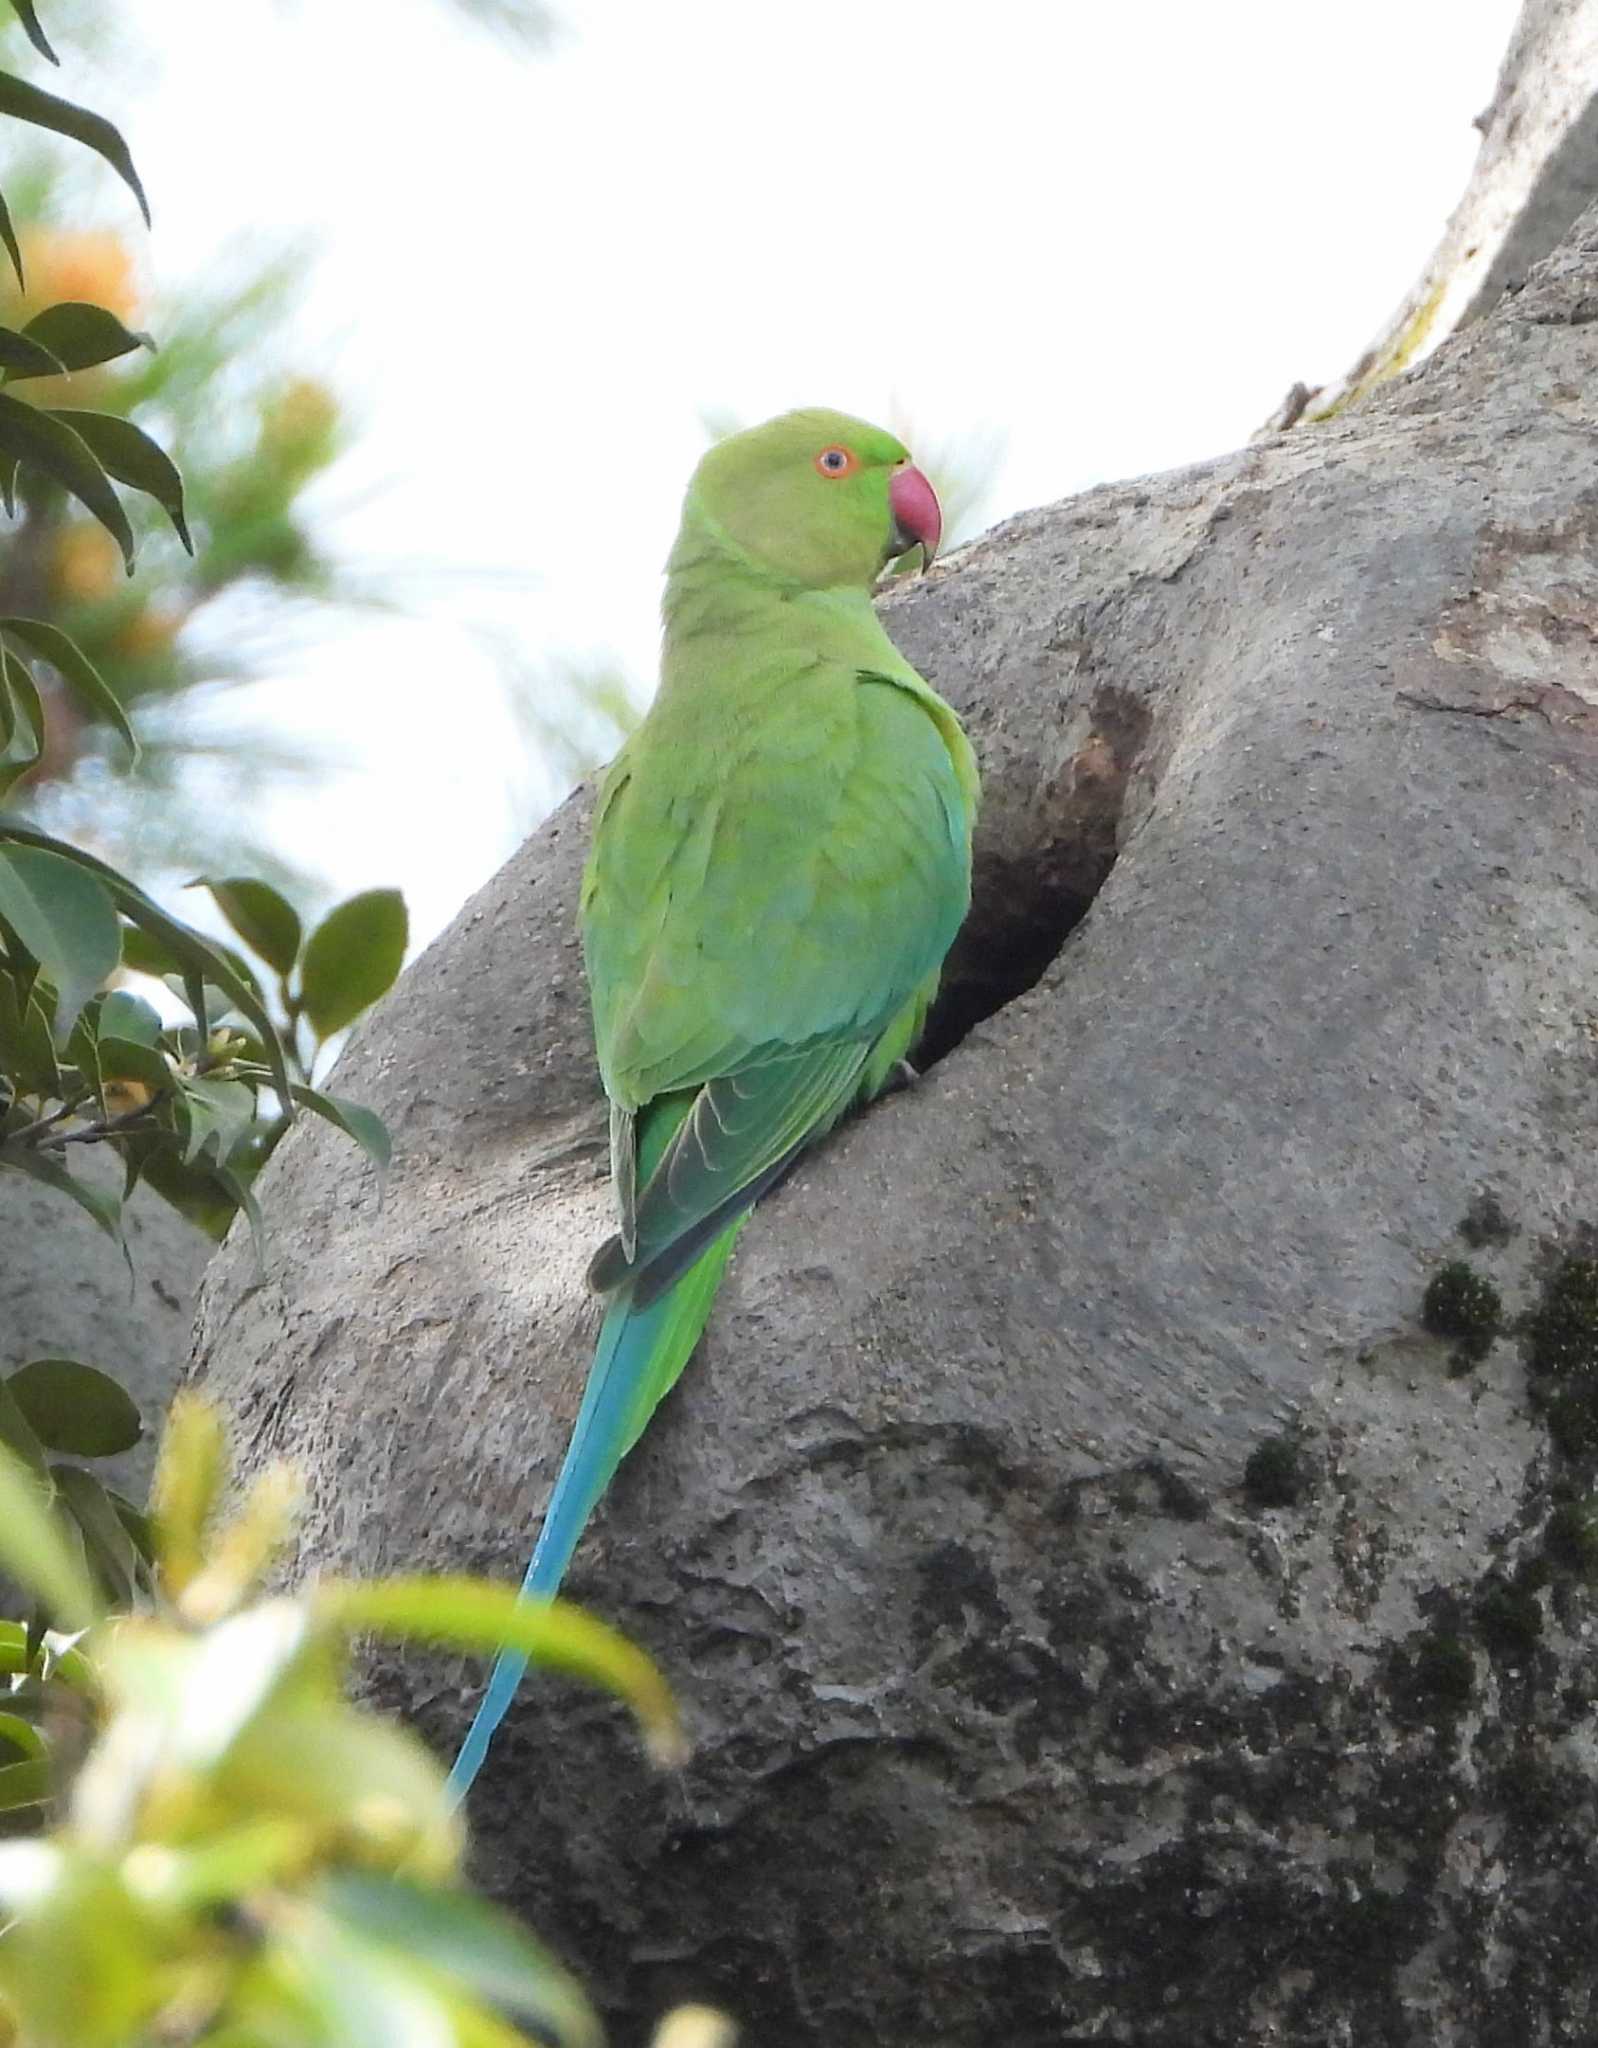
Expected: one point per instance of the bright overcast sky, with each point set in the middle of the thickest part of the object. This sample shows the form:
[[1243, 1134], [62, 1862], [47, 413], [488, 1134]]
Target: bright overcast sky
[[1111, 234]]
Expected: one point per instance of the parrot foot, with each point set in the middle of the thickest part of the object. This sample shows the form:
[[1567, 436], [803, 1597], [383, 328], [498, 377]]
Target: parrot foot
[[900, 1075]]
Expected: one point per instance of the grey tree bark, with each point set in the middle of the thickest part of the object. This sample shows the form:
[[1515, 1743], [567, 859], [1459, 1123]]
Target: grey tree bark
[[1102, 1610], [1537, 167], [66, 1292]]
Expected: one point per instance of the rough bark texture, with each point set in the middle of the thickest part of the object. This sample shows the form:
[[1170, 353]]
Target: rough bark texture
[[1536, 169], [65, 1292], [1539, 151], [1101, 1610]]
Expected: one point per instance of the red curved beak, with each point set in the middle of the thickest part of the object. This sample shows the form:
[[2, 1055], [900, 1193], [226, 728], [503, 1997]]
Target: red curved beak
[[916, 516]]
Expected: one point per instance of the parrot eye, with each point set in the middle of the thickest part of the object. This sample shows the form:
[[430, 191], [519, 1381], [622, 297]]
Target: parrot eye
[[836, 461]]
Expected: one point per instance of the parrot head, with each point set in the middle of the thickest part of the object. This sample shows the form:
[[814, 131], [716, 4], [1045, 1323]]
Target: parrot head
[[818, 497]]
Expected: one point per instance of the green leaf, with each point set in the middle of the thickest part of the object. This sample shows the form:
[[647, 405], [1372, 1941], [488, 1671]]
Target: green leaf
[[475, 2026], [29, 1050], [352, 958], [21, 1735], [80, 1055], [75, 669], [76, 1408], [194, 1191], [190, 1474], [365, 1126], [236, 1669], [239, 1189], [22, 356], [30, 23], [360, 1998], [83, 335], [34, 437], [26, 1784], [465, 1938], [198, 956], [112, 1557], [12, 772], [129, 1017], [218, 1113], [24, 102], [141, 1533], [127, 453], [18, 1656], [123, 1059], [145, 954], [28, 706], [474, 1614], [150, 956], [8, 235], [228, 1864], [22, 695], [34, 1550], [16, 1435], [267, 922], [65, 919]]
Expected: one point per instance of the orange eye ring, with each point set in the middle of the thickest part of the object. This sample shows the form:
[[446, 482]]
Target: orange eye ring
[[836, 462]]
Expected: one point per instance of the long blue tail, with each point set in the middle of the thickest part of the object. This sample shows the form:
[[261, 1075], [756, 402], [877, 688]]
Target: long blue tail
[[638, 1358]]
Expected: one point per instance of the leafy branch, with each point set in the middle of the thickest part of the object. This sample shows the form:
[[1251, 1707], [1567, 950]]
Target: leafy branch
[[195, 1103], [238, 1855]]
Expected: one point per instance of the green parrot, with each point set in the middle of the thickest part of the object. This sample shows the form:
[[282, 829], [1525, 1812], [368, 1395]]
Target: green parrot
[[781, 858]]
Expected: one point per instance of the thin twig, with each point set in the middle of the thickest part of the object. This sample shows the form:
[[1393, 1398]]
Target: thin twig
[[30, 1133], [109, 1127]]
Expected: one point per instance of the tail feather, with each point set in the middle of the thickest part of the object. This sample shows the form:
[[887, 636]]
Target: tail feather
[[652, 1325], [641, 1352]]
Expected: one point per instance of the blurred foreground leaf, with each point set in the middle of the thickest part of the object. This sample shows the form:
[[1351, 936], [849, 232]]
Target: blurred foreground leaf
[[34, 1550], [244, 1859], [473, 1614], [453, 1934]]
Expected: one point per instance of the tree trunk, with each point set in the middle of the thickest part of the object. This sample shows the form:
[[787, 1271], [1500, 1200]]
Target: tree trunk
[[1102, 1609], [1536, 169]]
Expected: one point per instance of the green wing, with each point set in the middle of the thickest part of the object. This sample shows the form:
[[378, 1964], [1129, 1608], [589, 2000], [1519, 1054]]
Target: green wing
[[740, 1134], [775, 877]]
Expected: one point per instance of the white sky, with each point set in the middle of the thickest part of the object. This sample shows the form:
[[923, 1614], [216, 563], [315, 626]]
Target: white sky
[[1112, 234]]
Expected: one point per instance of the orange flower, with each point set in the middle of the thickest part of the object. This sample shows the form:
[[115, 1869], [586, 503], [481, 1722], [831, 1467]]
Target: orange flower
[[149, 633], [85, 564], [91, 264], [298, 420]]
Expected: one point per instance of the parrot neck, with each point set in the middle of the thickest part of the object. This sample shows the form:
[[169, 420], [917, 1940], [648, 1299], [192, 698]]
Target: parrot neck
[[714, 589]]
